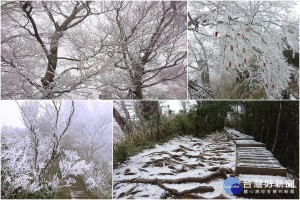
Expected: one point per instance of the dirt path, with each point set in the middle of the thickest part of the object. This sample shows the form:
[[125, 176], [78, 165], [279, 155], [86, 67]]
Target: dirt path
[[184, 167], [187, 167], [77, 192]]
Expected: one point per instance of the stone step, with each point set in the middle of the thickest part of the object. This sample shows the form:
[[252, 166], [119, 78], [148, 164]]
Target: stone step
[[260, 170], [257, 160], [242, 138], [248, 143]]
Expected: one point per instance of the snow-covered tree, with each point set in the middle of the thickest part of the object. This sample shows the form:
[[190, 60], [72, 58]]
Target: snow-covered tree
[[237, 48], [40, 28], [91, 137], [150, 37], [37, 157], [16, 167], [99, 180], [72, 165], [92, 50], [92, 140], [47, 125]]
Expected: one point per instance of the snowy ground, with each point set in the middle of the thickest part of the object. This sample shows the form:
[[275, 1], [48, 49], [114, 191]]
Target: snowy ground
[[236, 134], [184, 167]]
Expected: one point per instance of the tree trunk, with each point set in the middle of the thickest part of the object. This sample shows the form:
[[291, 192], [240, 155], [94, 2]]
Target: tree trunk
[[52, 61], [136, 80], [152, 136], [145, 109], [158, 123], [127, 116], [263, 122], [205, 75], [203, 64], [36, 153], [246, 118], [125, 110], [269, 126], [121, 121], [183, 104], [277, 128]]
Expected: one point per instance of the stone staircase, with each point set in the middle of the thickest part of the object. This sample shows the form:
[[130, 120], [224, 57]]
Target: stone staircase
[[252, 157], [257, 160]]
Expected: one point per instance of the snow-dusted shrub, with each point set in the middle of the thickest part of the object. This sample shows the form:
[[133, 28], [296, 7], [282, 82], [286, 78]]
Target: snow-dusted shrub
[[72, 165], [20, 185], [28, 154], [98, 181]]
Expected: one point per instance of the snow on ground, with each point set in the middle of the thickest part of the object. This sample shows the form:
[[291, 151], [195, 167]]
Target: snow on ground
[[247, 142], [237, 134], [170, 170]]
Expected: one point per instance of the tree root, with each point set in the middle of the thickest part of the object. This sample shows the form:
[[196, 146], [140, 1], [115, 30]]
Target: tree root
[[129, 173], [194, 166], [163, 174], [213, 169], [186, 148], [221, 196], [170, 160], [197, 144], [143, 170], [123, 194], [179, 150], [200, 189], [207, 179], [193, 196], [163, 161]]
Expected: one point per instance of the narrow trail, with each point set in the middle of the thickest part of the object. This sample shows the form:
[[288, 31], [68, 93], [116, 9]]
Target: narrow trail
[[188, 167], [73, 192], [77, 192], [184, 167]]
